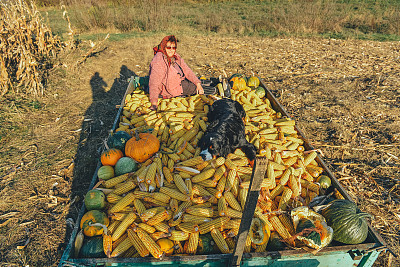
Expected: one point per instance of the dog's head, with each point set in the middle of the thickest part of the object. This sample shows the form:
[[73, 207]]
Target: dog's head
[[212, 144]]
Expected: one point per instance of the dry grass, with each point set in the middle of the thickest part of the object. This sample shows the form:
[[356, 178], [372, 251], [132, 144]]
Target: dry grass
[[27, 48]]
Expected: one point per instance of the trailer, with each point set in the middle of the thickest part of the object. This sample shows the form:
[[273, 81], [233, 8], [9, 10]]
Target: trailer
[[363, 255]]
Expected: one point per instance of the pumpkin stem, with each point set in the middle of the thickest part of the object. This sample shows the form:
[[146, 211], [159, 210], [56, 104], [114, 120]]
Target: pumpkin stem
[[105, 230], [137, 134]]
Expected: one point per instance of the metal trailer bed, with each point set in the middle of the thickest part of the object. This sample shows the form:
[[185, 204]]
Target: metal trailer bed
[[362, 255]]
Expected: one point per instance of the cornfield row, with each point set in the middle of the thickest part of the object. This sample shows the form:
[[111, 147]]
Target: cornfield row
[[27, 48]]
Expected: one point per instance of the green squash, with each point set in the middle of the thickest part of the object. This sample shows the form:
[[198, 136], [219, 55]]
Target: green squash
[[105, 172], [275, 243], [92, 217], [260, 92], [95, 200], [253, 82], [348, 222], [313, 237], [206, 245], [324, 181], [125, 165], [118, 140], [92, 247]]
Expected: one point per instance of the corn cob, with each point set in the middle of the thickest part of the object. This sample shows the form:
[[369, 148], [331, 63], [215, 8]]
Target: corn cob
[[219, 240], [230, 198], [294, 185], [186, 218], [309, 157], [113, 198], [286, 221], [111, 228], [131, 253], [178, 247], [116, 180], [173, 204], [231, 243], [121, 248], [125, 187], [188, 227], [118, 216], [149, 243], [244, 170], [208, 183], [192, 243], [229, 164], [230, 179], [231, 213], [147, 214], [200, 211], [286, 195], [140, 208], [309, 185], [222, 206], [174, 194], [179, 235], [276, 191], [159, 217], [129, 219], [162, 227], [216, 223], [261, 248], [161, 197], [192, 162], [189, 186], [221, 184], [233, 223], [242, 196], [122, 238], [158, 235], [265, 183], [125, 201], [181, 184], [149, 229], [107, 244], [203, 175], [279, 227], [247, 246], [181, 209]]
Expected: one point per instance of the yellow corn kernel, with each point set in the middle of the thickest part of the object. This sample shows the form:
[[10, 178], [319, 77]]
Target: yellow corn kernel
[[214, 192], [181, 184], [116, 180], [203, 175], [286, 195], [149, 243], [129, 219], [216, 223], [220, 241], [121, 248], [203, 166], [178, 247], [121, 204], [174, 194]]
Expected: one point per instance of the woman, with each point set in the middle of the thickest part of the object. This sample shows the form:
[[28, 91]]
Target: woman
[[169, 74]]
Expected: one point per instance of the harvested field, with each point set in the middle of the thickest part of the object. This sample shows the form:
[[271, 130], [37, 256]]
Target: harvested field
[[344, 95]]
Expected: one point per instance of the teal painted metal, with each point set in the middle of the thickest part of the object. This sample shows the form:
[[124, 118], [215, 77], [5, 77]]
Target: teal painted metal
[[364, 255]]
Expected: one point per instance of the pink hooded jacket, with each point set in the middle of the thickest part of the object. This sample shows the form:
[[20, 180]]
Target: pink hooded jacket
[[165, 80]]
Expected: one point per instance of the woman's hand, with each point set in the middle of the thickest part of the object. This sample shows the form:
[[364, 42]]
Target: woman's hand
[[199, 89], [153, 107]]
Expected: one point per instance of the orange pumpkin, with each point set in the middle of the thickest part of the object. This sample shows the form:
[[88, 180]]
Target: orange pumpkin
[[166, 246], [238, 83], [142, 147], [111, 156], [92, 217]]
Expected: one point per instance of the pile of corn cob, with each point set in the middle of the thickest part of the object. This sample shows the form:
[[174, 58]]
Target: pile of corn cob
[[178, 196]]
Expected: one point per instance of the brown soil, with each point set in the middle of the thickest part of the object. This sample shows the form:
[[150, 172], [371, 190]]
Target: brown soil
[[344, 96]]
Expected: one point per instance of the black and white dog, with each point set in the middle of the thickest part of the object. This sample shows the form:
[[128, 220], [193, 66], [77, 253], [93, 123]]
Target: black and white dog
[[226, 131]]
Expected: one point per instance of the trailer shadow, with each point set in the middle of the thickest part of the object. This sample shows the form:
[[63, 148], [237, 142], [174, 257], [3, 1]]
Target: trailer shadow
[[95, 128]]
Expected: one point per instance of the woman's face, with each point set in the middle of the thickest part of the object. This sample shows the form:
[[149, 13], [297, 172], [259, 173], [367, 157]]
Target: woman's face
[[170, 49]]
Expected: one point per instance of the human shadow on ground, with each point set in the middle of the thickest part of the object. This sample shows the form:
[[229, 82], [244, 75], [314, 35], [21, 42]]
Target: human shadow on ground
[[97, 123]]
